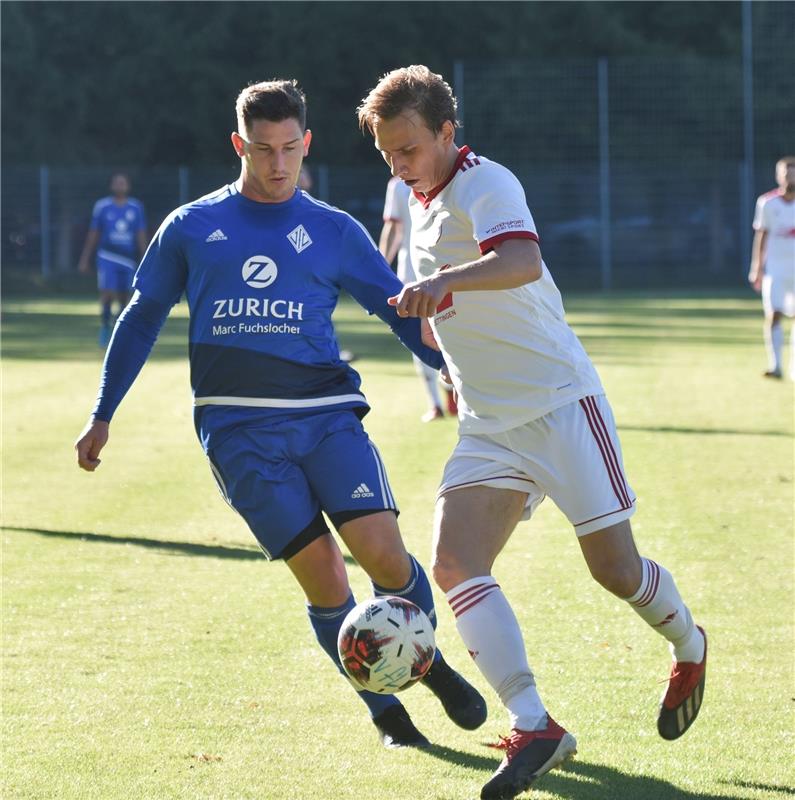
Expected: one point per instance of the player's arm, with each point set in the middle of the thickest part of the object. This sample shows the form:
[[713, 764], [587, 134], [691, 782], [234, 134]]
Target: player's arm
[[370, 281], [133, 338], [512, 263], [142, 241], [92, 239], [758, 251], [391, 238]]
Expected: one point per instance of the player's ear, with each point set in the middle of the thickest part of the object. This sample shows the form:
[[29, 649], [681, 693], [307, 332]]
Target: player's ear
[[447, 132], [238, 144], [307, 140]]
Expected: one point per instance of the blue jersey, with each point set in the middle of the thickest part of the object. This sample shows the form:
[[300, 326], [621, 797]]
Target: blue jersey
[[262, 281], [118, 227]]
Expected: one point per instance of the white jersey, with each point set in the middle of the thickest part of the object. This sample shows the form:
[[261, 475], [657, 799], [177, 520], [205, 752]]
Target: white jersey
[[511, 355], [776, 215], [396, 208]]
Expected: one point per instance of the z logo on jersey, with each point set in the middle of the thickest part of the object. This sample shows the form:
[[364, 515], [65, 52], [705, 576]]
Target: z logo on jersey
[[259, 272]]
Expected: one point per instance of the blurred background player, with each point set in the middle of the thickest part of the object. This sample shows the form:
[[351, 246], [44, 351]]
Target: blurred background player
[[773, 263], [533, 419], [395, 241], [118, 233], [277, 412]]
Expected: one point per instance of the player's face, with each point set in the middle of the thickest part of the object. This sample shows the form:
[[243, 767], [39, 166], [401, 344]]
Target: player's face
[[785, 178], [119, 186], [415, 154], [271, 154]]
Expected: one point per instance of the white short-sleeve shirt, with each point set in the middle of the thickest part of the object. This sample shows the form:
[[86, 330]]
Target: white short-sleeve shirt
[[776, 215], [396, 208], [511, 354]]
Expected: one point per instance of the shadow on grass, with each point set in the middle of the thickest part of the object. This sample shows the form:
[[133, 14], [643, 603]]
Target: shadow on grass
[[764, 787], [700, 431], [181, 548], [581, 780]]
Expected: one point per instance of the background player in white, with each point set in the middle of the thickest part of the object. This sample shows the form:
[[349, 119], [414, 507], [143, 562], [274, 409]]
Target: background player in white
[[534, 418], [773, 263], [118, 233], [278, 413], [394, 241]]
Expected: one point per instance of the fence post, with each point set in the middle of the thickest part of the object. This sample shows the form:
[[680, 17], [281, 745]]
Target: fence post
[[747, 174], [44, 220], [458, 90], [323, 183], [605, 242], [183, 179]]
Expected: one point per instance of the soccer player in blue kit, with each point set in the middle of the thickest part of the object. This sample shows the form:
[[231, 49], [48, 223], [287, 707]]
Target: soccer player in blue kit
[[118, 233], [277, 411]]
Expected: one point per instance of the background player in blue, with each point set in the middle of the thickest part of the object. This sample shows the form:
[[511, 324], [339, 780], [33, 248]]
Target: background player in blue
[[118, 233], [277, 411]]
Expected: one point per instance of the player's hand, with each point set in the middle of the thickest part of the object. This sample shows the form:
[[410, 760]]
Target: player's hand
[[93, 438], [426, 334], [755, 279], [420, 299]]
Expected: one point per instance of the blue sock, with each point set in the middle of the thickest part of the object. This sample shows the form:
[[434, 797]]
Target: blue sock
[[326, 623], [418, 591], [105, 315]]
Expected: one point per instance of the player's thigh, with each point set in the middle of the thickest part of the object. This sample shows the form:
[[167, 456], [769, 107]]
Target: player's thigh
[[345, 469], [577, 454], [778, 295], [471, 526], [268, 490]]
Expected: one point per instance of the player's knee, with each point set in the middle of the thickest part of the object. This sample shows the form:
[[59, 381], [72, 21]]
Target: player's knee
[[448, 570]]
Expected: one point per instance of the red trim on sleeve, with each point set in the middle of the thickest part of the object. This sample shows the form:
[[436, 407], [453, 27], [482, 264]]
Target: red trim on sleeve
[[489, 244], [426, 199]]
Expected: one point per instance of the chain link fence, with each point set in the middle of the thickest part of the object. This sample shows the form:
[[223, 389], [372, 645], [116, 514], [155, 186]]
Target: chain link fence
[[640, 172]]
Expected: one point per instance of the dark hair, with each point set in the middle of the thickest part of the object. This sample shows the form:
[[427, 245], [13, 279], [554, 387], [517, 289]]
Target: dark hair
[[409, 88], [274, 101]]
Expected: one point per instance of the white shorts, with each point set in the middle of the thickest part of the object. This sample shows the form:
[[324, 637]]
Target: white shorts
[[571, 454], [778, 294]]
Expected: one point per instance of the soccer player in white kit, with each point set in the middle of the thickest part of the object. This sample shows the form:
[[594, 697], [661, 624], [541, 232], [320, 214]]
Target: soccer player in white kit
[[394, 240], [534, 419], [773, 263]]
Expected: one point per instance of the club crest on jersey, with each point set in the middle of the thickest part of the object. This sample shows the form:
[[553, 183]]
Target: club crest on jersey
[[299, 238], [259, 272]]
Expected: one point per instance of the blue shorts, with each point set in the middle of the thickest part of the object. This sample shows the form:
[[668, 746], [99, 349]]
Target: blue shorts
[[280, 475], [115, 276]]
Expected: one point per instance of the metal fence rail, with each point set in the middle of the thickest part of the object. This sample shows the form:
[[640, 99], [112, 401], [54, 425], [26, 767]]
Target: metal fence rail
[[640, 172]]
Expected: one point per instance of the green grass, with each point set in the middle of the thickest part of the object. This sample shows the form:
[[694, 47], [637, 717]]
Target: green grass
[[149, 651]]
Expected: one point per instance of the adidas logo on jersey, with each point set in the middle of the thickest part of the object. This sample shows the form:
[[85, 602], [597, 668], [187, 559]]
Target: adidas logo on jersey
[[362, 490], [216, 236], [299, 238]]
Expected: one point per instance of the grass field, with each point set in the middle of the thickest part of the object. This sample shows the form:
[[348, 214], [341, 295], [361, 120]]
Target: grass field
[[150, 651]]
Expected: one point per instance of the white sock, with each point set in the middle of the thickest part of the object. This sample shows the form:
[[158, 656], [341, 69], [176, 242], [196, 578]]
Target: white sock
[[491, 633], [774, 342], [658, 603], [430, 378]]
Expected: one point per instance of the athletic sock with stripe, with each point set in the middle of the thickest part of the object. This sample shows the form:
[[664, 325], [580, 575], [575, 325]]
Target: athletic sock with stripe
[[658, 603], [491, 633]]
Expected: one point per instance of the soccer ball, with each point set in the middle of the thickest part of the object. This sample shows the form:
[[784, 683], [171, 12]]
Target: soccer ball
[[386, 644]]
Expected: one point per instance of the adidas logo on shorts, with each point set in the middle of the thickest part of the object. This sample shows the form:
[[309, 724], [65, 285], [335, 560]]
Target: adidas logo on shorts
[[362, 490]]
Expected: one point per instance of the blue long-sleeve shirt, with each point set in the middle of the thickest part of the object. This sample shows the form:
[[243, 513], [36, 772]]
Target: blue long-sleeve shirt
[[261, 281]]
